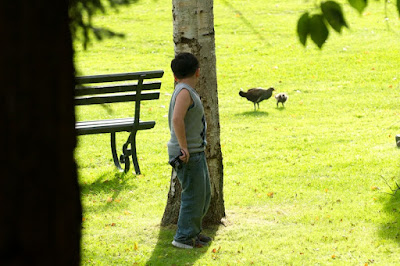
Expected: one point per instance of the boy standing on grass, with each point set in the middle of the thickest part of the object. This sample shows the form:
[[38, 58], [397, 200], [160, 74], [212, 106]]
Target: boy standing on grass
[[188, 139]]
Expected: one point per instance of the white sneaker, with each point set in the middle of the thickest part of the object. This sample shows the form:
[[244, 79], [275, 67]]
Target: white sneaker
[[181, 245]]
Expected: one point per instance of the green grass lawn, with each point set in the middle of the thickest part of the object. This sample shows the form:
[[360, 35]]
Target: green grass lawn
[[303, 184]]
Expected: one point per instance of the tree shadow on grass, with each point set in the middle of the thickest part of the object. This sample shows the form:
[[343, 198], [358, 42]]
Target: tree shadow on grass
[[166, 254], [108, 182], [391, 229]]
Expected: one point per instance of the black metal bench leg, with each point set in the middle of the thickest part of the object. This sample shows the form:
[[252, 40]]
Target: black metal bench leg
[[124, 157], [134, 155]]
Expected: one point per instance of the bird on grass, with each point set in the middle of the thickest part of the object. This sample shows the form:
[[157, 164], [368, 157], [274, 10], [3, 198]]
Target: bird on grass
[[257, 95], [281, 98]]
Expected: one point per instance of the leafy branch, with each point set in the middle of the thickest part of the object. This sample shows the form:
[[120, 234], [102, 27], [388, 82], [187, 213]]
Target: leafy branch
[[81, 13], [329, 15]]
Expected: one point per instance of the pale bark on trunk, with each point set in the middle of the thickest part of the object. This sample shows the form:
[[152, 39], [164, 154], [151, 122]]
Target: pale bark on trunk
[[194, 32]]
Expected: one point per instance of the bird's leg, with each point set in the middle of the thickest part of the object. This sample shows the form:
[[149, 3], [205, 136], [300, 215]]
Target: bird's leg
[[254, 106]]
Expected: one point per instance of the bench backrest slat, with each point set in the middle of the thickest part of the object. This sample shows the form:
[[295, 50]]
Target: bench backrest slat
[[114, 89], [93, 90], [119, 77], [121, 97]]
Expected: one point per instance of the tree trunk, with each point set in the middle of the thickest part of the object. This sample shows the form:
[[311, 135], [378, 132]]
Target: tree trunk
[[194, 32], [40, 208]]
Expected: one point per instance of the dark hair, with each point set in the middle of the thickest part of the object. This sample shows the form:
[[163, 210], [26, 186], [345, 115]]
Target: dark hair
[[184, 65]]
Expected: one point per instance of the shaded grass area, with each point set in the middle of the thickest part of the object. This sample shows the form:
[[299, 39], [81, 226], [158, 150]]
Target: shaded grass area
[[303, 184]]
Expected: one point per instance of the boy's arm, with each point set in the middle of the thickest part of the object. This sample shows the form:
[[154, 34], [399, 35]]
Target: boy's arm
[[182, 103]]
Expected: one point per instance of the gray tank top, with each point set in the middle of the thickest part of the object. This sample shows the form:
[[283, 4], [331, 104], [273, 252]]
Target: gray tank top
[[195, 123]]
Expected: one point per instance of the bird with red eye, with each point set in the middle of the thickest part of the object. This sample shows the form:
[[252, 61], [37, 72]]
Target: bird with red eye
[[257, 95]]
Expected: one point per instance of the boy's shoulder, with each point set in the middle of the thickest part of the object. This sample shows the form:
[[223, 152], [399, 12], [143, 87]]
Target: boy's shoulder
[[183, 85]]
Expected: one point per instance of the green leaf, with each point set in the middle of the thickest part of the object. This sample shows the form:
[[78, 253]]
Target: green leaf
[[303, 28], [360, 5], [398, 6], [318, 30], [332, 12]]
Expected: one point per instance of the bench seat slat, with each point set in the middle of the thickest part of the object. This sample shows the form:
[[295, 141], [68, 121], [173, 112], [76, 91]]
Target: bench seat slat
[[120, 121], [108, 126], [93, 90], [123, 97]]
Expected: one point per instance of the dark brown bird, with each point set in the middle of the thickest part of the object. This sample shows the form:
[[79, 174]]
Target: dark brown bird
[[281, 98], [257, 95]]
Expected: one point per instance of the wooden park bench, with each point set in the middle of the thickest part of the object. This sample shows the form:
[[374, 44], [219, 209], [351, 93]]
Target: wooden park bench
[[107, 89]]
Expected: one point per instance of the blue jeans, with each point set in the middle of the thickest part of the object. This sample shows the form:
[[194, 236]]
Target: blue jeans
[[195, 197]]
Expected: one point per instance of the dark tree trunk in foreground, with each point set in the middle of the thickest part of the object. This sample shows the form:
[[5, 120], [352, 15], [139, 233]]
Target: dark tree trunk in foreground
[[40, 209], [194, 32]]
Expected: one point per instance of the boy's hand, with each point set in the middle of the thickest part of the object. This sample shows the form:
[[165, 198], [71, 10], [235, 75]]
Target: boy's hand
[[185, 157]]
